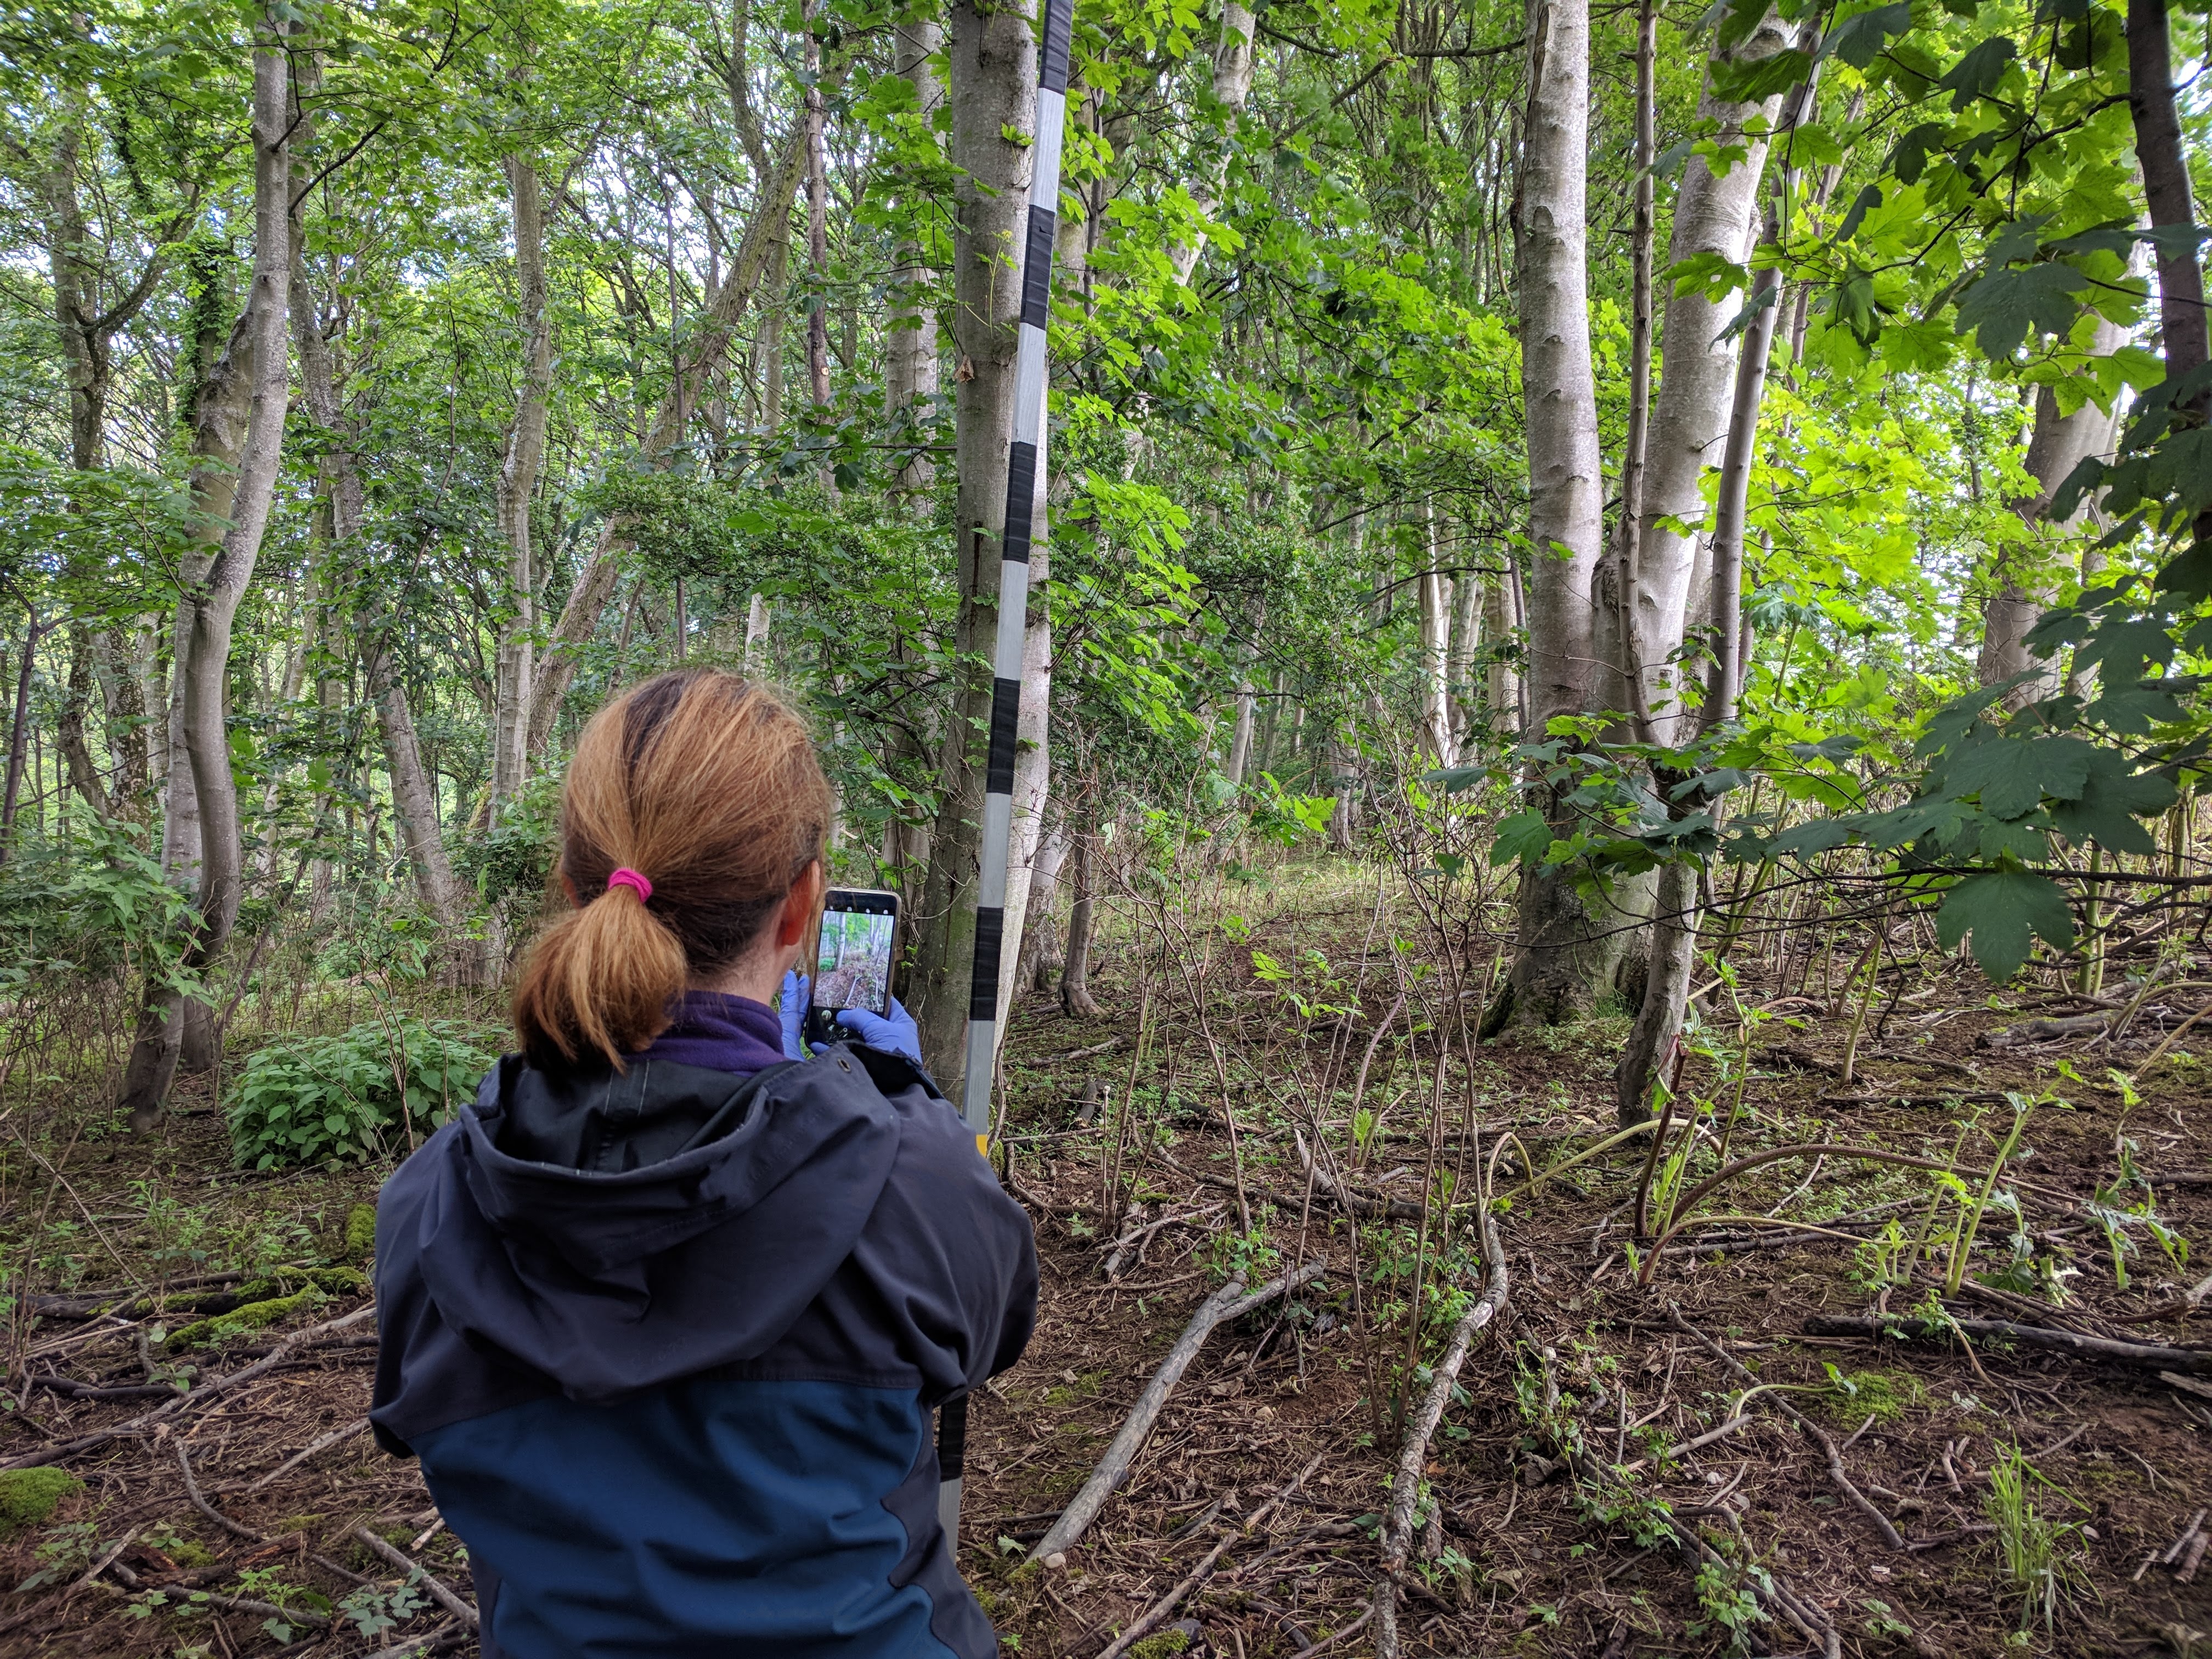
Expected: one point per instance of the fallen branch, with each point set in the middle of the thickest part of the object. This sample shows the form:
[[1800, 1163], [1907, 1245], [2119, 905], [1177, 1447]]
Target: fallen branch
[[1397, 1535], [407, 1563], [2194, 1362], [1229, 1302], [313, 1448], [1156, 1615], [199, 1396], [1811, 1430]]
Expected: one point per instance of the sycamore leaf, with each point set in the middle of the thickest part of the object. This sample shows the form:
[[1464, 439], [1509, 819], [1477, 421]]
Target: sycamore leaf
[[2001, 308], [2012, 776], [2135, 706], [1858, 40], [1976, 73], [2113, 797], [2003, 911], [1524, 836]]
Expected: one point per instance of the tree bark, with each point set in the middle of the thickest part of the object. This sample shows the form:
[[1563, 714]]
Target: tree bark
[[1690, 420], [911, 366], [1075, 973], [251, 381], [1233, 63], [2056, 445], [1435, 648], [1568, 950], [817, 212], [414, 796], [1039, 959], [518, 471], [993, 82], [1633, 452], [69, 728]]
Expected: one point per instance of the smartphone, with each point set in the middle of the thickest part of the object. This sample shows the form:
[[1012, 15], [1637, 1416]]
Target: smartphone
[[853, 958]]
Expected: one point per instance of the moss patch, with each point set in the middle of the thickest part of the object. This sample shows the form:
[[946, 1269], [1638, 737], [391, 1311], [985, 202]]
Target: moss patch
[[1887, 1395], [29, 1497], [253, 1317], [1159, 1647], [360, 1232]]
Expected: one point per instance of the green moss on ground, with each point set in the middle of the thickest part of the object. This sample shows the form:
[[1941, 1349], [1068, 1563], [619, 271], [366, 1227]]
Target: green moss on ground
[[360, 1232], [29, 1497]]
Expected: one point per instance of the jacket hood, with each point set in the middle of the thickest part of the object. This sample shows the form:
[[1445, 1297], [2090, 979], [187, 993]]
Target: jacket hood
[[616, 1232]]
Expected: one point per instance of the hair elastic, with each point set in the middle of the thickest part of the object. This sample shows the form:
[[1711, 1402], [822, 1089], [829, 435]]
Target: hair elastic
[[632, 879]]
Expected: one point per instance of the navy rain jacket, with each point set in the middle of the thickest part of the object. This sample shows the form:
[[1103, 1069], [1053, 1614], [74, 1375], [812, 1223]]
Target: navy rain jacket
[[668, 1344]]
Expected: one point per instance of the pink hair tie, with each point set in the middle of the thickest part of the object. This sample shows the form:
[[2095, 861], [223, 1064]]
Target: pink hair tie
[[632, 879]]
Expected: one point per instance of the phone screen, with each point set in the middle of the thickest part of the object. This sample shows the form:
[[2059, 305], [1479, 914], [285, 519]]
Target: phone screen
[[853, 962]]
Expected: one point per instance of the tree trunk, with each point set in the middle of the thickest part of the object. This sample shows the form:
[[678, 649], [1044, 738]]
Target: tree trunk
[[2057, 445], [911, 357], [518, 483], [1568, 949], [1075, 976], [1503, 689], [69, 728], [1690, 423], [993, 83], [1436, 649], [19, 731], [1233, 63], [1032, 756], [413, 797], [817, 211], [1040, 959], [252, 381], [1633, 452], [1240, 731]]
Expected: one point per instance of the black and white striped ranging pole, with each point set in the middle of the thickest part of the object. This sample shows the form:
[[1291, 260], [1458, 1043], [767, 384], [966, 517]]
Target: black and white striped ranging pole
[[1022, 458]]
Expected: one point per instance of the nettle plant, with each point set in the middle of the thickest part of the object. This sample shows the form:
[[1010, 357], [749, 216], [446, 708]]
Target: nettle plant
[[377, 1089]]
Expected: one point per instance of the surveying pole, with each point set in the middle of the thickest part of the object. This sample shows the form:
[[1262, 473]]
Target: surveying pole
[[1024, 457]]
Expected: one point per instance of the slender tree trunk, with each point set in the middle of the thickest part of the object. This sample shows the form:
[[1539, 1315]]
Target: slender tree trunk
[[2184, 332], [1435, 648], [1240, 731], [1632, 462], [993, 82], [1033, 756], [1233, 63], [1075, 976], [19, 731], [1040, 957], [414, 793], [252, 381], [911, 365], [518, 483], [1568, 949], [1690, 420], [2056, 445], [69, 728]]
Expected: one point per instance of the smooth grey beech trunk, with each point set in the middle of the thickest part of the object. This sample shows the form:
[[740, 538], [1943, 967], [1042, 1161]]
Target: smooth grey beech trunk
[[238, 443], [520, 465], [1689, 420], [993, 80], [2056, 445], [1568, 950], [1233, 64], [910, 352]]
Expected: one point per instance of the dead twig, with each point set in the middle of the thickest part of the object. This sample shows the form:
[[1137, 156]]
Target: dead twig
[[407, 1563], [1811, 1430], [1229, 1302], [2194, 1362]]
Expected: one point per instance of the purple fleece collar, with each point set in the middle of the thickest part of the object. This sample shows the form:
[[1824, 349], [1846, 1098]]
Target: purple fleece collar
[[722, 1033]]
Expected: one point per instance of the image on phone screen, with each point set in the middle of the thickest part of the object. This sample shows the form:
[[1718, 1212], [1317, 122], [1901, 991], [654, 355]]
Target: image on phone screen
[[853, 966]]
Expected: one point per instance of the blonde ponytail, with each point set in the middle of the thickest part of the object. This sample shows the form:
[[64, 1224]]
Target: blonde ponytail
[[693, 804]]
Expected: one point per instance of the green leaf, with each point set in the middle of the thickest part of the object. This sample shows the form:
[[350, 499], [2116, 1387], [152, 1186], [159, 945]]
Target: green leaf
[[1858, 40], [2001, 308], [2113, 797], [2004, 911], [1525, 835], [1976, 73]]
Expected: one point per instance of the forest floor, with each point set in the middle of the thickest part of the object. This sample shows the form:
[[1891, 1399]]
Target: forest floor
[[2010, 1474]]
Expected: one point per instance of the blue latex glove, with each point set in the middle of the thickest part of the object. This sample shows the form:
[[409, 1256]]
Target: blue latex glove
[[791, 1008], [896, 1034]]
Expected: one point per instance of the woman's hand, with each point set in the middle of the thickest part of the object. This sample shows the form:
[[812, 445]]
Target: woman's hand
[[896, 1035], [791, 1008]]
